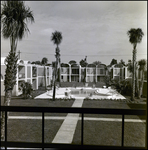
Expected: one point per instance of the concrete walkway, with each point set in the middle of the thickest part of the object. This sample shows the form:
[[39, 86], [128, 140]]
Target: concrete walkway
[[67, 129], [85, 118]]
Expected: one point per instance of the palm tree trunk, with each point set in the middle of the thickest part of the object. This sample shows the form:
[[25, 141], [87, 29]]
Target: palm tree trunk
[[54, 90], [55, 77], [7, 100], [137, 85], [13, 44], [133, 75], [141, 85], [60, 76]]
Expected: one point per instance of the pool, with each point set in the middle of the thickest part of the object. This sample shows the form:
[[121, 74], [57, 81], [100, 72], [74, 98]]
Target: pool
[[83, 92], [96, 93]]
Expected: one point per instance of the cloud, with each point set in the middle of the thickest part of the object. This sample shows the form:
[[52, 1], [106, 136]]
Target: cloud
[[47, 31], [88, 27]]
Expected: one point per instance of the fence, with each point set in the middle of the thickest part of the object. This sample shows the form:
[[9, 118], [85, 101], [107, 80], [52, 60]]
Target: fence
[[81, 111]]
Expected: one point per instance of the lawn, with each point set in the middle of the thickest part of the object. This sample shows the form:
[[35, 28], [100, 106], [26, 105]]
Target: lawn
[[31, 130], [95, 132], [109, 133]]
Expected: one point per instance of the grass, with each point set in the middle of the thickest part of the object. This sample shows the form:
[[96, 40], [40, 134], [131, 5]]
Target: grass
[[31, 130], [109, 133], [40, 103], [24, 130], [95, 132]]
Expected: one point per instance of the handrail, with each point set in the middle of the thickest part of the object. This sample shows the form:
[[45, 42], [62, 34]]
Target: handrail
[[74, 110], [68, 110]]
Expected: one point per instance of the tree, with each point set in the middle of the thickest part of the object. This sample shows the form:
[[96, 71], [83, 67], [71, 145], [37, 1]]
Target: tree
[[9, 82], [135, 36], [130, 69], [72, 62], [57, 39], [142, 67], [44, 62], [97, 63], [27, 89], [33, 62], [121, 63], [83, 62], [14, 18], [38, 62], [113, 62]]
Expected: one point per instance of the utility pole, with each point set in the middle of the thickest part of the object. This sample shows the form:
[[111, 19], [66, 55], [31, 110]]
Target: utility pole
[[19, 54]]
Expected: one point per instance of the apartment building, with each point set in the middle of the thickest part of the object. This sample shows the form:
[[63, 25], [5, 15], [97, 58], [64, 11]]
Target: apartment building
[[75, 72], [37, 74], [34, 74]]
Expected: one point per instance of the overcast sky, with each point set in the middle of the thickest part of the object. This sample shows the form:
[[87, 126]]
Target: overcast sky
[[95, 29]]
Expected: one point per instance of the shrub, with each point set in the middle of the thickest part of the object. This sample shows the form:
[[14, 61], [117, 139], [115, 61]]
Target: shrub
[[107, 80], [26, 89], [124, 87]]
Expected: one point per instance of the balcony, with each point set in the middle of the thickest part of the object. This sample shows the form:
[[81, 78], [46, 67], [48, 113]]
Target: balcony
[[81, 111]]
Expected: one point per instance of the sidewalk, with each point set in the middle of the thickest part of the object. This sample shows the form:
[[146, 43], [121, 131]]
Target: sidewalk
[[67, 129]]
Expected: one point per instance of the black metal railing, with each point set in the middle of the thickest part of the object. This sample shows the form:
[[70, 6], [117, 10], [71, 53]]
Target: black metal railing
[[81, 111]]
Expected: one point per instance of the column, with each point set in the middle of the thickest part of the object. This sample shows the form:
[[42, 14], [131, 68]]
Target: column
[[16, 90], [86, 75], [79, 73], [31, 75], [96, 74], [25, 73], [37, 77], [69, 73]]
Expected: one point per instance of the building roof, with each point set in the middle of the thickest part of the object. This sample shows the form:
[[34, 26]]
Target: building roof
[[20, 61]]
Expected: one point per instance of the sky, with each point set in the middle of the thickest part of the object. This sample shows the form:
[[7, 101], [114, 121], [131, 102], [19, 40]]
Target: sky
[[96, 29]]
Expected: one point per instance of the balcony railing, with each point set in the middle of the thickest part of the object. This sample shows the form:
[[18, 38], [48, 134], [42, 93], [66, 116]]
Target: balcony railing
[[81, 111]]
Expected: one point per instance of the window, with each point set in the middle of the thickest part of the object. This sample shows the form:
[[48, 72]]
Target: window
[[75, 71], [117, 71], [101, 71]]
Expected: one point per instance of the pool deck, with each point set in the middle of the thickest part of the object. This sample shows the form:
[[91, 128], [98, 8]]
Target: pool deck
[[101, 93]]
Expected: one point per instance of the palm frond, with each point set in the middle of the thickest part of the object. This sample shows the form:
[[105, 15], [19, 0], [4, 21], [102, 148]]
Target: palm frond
[[142, 64], [56, 37], [14, 17], [135, 35]]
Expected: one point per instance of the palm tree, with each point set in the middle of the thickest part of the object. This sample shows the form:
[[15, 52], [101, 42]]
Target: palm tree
[[97, 63], [142, 67], [57, 39], [135, 36], [44, 62], [14, 18], [130, 69]]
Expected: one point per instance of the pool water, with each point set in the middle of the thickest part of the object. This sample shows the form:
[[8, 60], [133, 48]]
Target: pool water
[[84, 92], [90, 92]]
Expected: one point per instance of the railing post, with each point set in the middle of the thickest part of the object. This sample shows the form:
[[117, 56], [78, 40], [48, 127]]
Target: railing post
[[5, 129], [82, 122], [122, 144], [42, 130], [146, 132]]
